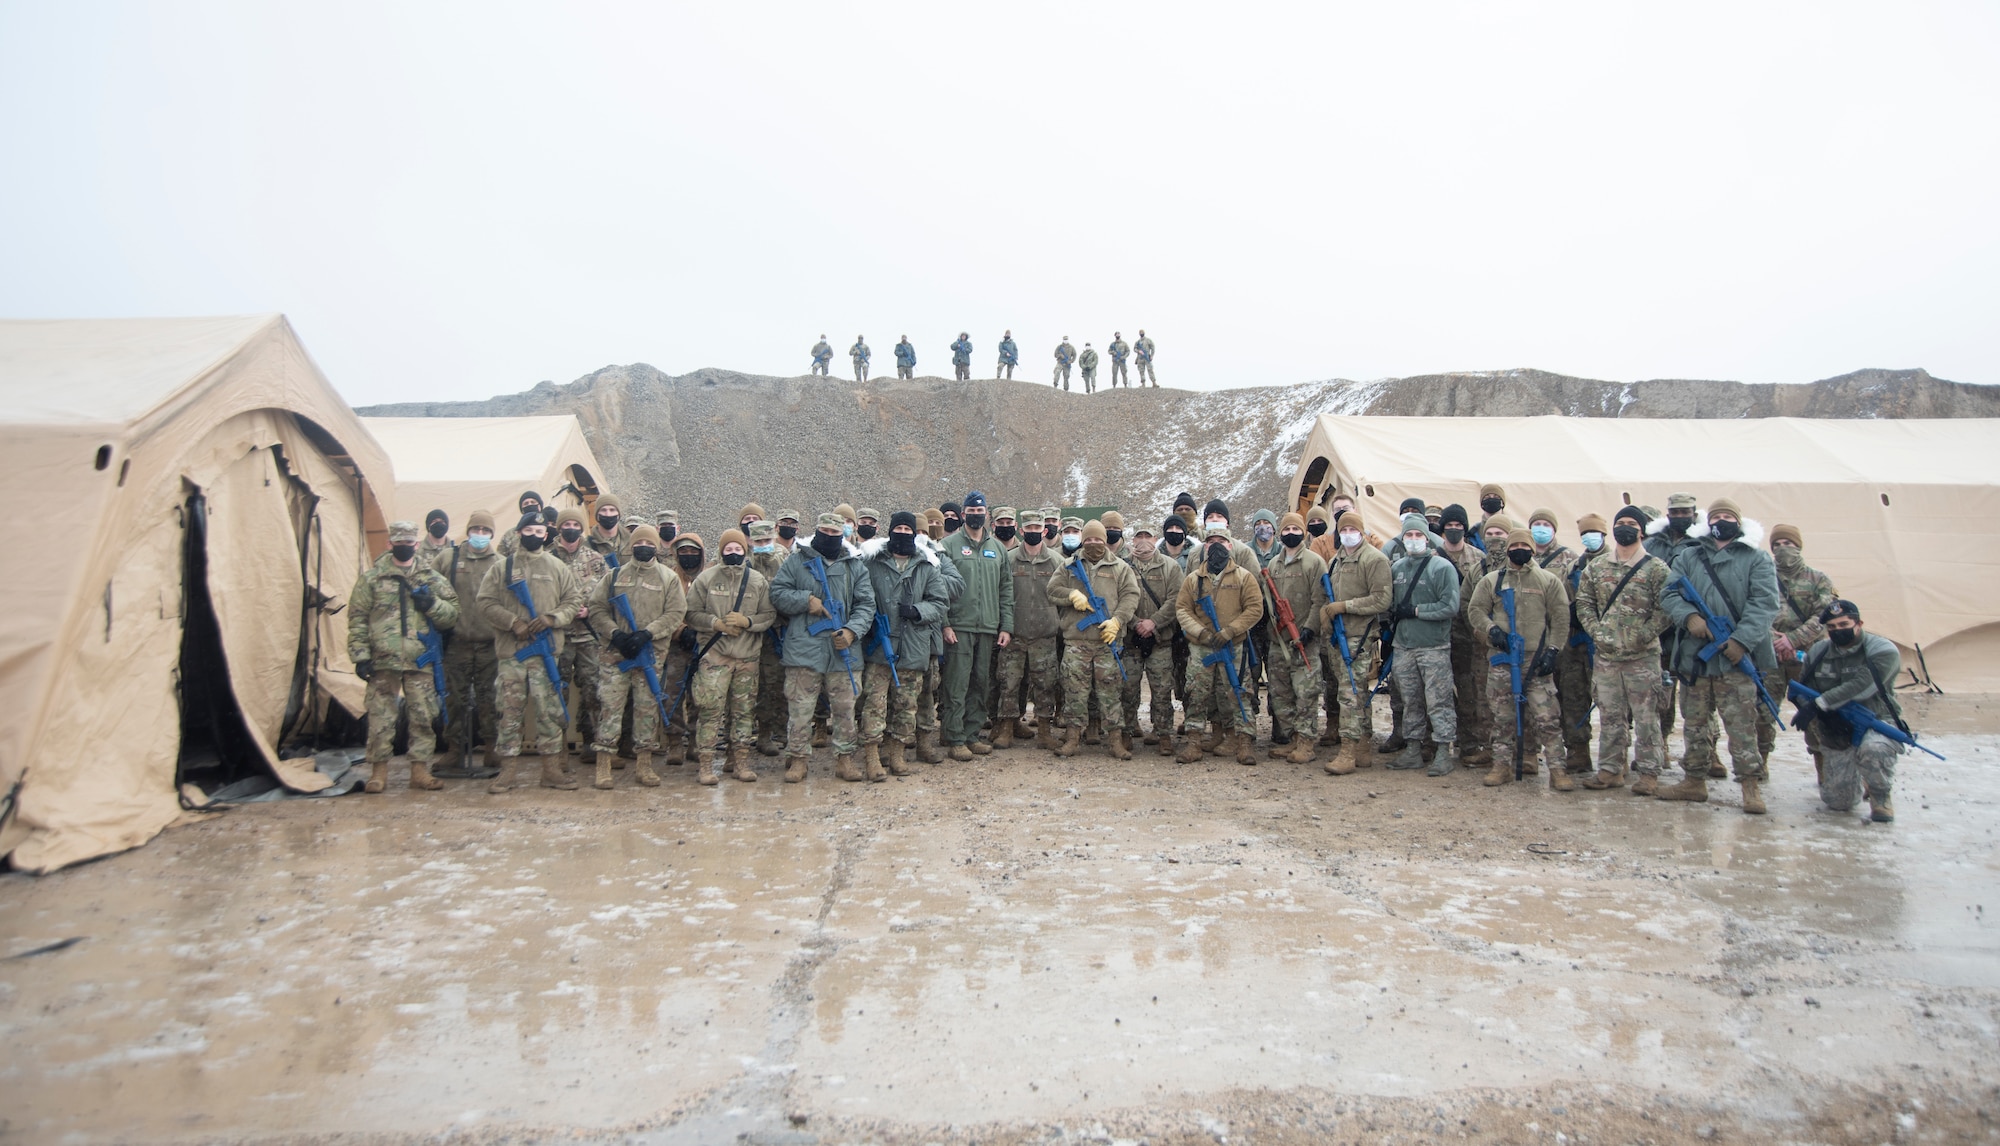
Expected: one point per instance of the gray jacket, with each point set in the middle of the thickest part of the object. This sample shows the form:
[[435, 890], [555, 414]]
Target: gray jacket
[[791, 591], [1747, 595], [1435, 595], [921, 583]]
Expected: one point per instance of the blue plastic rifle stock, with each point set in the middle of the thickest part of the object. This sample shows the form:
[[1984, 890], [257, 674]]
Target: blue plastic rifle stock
[[1517, 648], [542, 646], [1226, 657], [643, 659], [1720, 630], [1858, 718], [1338, 637], [835, 619], [433, 659], [1097, 615], [886, 638]]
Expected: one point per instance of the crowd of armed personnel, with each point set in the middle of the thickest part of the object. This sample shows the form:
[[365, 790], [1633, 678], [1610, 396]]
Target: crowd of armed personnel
[[952, 633], [1140, 350]]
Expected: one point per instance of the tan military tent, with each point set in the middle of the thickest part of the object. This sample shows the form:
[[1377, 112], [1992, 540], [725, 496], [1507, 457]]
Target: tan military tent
[[1897, 511], [133, 451], [462, 464]]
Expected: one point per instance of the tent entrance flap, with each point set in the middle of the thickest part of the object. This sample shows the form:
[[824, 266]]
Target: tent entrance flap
[[216, 747]]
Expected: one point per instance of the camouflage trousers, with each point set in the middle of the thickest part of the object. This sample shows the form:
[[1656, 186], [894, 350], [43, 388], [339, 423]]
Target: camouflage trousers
[[887, 707], [1221, 702], [1295, 688], [1003, 370], [420, 699], [1357, 716], [1540, 716], [579, 664], [1867, 767], [1468, 675], [1118, 375], [725, 701], [1627, 698], [802, 689], [469, 671], [1208, 696], [1089, 379], [1061, 377], [927, 696], [1429, 707], [673, 667], [1146, 372], [1767, 727], [1157, 671], [906, 372], [1090, 672], [520, 682], [861, 372], [771, 712], [1028, 671], [1732, 697], [1573, 693], [614, 688]]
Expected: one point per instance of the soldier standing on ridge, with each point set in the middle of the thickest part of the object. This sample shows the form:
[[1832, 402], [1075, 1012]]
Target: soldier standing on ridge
[[1118, 351], [859, 353], [822, 356], [1010, 357], [1142, 353], [906, 359], [394, 602], [961, 357], [1065, 354], [1089, 364]]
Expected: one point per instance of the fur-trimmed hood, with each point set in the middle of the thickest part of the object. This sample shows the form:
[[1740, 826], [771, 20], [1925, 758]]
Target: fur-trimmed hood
[[1753, 530], [877, 548]]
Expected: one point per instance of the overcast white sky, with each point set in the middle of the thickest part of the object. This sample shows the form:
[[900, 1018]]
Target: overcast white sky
[[453, 201]]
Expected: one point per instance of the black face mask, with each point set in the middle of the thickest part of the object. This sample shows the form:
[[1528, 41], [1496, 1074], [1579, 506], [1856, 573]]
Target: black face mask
[[688, 561], [667, 532], [1453, 535], [528, 507], [788, 531], [951, 524], [1004, 532], [1175, 537], [1113, 536], [549, 514], [403, 551], [643, 553], [865, 532], [1292, 540], [827, 545], [1676, 524], [1316, 527], [1726, 530], [1625, 534], [1218, 558], [572, 533], [1842, 637], [439, 528], [1492, 505], [1031, 538], [975, 521], [607, 524], [903, 544], [732, 559], [531, 542], [1520, 556]]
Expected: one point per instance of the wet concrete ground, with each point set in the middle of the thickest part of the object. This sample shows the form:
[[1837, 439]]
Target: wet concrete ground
[[1031, 949]]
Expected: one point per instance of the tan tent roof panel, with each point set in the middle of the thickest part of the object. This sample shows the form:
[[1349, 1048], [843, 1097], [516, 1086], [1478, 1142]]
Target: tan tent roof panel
[[462, 464]]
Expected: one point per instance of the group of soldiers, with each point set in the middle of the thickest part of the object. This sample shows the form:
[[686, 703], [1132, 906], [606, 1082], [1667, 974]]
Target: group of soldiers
[[1139, 350], [924, 637]]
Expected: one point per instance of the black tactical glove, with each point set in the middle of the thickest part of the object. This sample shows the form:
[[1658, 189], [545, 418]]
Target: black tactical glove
[[364, 669], [628, 644], [1545, 662], [686, 641], [423, 598], [1407, 611], [908, 612], [1806, 714], [1306, 637], [1497, 637]]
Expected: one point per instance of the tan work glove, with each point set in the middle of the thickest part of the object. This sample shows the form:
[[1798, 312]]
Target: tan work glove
[[1333, 609], [1110, 629], [735, 624], [540, 624], [815, 607], [843, 638], [1079, 601], [520, 630], [1696, 627]]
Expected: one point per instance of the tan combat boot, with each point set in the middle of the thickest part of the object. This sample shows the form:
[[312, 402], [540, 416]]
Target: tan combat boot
[[1559, 780], [1604, 778], [555, 775], [1880, 808], [378, 778], [1120, 745], [979, 747], [1753, 800], [1475, 756], [844, 769], [767, 745], [739, 763], [1246, 751], [603, 778], [1342, 761], [1693, 789], [1003, 736], [1072, 742], [421, 778], [822, 736], [704, 773], [642, 768], [510, 766], [871, 763], [1212, 740], [1191, 752], [490, 761], [927, 747], [1165, 743], [892, 758], [1302, 750], [1502, 772], [1093, 732], [1644, 785], [1045, 735], [1717, 770], [795, 769], [961, 753], [676, 751]]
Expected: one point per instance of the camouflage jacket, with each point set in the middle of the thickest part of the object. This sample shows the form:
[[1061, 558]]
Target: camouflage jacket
[[588, 566], [1118, 350], [1158, 578], [1805, 591], [1145, 349], [383, 626], [1034, 614], [1296, 573], [1843, 675], [1065, 353], [464, 568], [1629, 629], [1089, 359]]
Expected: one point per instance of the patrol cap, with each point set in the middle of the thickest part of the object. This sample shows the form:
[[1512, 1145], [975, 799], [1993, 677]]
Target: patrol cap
[[1788, 533], [1072, 523], [479, 519], [666, 517], [870, 514], [831, 520], [570, 514], [1215, 531], [404, 531], [784, 515], [1051, 513], [1649, 511], [1146, 528], [1682, 501], [763, 531], [1005, 511], [1093, 531], [1433, 511]]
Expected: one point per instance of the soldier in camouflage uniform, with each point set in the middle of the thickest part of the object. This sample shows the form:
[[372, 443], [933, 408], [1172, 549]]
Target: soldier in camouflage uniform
[[1423, 598], [531, 508], [679, 651], [1088, 364], [1142, 355], [1239, 605], [822, 356], [1666, 537], [860, 353], [1806, 592], [961, 356], [730, 605], [912, 597], [436, 538], [1541, 617], [579, 659], [557, 597], [1468, 649], [1737, 580], [606, 536], [1849, 666], [469, 668], [816, 662], [1028, 663], [394, 603], [1149, 651], [1295, 575], [766, 555], [1065, 355], [1010, 357], [1618, 605], [1090, 663], [1361, 598], [658, 607], [1119, 350], [1573, 658]]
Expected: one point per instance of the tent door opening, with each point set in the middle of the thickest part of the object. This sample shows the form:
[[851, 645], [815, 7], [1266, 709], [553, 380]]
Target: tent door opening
[[215, 744]]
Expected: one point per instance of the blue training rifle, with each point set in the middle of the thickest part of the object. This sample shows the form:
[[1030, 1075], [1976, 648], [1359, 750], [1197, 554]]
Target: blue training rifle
[[1720, 630], [1858, 718], [1517, 648], [1097, 615], [1226, 657], [542, 645], [835, 619]]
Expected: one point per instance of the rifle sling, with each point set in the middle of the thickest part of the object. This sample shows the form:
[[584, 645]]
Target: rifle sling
[[1735, 610], [1624, 581]]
